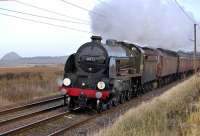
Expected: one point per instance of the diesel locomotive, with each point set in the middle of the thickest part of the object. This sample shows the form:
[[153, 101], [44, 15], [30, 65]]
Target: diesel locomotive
[[100, 75]]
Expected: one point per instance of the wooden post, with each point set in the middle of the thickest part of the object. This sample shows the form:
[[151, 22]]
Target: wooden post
[[195, 48]]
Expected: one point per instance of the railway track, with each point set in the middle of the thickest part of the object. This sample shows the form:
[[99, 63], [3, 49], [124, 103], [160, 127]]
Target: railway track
[[63, 130], [123, 108], [29, 105], [19, 113], [41, 122], [53, 127], [10, 120], [82, 122], [69, 127], [91, 118], [31, 125]]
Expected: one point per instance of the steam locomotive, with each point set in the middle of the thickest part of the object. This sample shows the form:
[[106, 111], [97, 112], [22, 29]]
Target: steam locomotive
[[102, 75]]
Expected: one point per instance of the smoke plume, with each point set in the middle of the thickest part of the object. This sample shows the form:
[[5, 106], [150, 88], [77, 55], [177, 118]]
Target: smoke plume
[[155, 23]]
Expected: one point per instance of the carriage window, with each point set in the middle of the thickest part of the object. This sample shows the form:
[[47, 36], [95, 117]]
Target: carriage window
[[150, 57]]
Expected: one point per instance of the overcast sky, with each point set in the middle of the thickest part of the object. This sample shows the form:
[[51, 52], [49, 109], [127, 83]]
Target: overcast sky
[[35, 39]]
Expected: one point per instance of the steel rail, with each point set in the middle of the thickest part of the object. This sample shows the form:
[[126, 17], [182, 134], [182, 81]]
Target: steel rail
[[28, 115], [67, 128], [25, 106], [62, 131], [33, 124]]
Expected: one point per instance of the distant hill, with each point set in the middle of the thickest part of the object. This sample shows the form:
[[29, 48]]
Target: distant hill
[[12, 59], [11, 56], [191, 53]]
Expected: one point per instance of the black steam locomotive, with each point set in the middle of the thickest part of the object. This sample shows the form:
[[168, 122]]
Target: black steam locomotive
[[103, 75]]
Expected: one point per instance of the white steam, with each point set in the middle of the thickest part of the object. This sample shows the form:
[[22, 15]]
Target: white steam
[[156, 23]]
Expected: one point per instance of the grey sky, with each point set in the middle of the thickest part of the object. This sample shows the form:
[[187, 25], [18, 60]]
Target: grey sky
[[34, 39]]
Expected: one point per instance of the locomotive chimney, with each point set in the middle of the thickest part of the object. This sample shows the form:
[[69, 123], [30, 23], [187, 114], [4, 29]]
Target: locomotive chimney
[[96, 39]]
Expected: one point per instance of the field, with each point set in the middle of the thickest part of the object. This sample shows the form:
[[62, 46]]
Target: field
[[175, 113], [24, 84]]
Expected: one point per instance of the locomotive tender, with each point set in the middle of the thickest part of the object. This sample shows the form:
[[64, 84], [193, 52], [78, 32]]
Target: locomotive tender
[[103, 75]]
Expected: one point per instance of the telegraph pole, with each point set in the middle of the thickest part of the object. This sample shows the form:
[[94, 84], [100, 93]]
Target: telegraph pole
[[195, 35], [195, 47]]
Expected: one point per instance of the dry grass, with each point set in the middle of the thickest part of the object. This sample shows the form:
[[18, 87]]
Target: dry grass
[[163, 116], [36, 69], [27, 83], [191, 127]]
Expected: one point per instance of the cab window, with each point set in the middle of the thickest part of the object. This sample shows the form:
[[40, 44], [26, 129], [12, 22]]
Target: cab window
[[112, 68]]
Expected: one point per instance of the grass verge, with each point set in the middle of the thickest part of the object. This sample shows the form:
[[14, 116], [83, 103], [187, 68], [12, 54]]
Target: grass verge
[[163, 116], [191, 127], [28, 83]]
